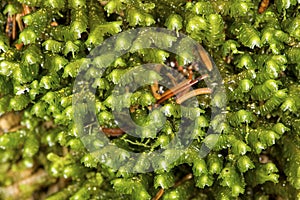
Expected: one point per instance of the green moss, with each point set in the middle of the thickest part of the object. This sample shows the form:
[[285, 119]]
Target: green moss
[[257, 55]]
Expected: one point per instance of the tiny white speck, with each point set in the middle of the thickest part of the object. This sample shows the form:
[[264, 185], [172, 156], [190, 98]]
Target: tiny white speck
[[22, 91]]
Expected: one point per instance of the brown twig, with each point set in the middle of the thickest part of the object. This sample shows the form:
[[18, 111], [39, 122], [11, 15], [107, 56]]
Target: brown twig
[[113, 132], [158, 194], [205, 58], [193, 93], [179, 88], [8, 29]]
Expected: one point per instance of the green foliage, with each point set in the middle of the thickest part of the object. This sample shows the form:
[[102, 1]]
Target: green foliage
[[257, 54], [249, 36]]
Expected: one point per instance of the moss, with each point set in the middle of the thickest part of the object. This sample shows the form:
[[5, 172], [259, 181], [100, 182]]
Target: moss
[[253, 144]]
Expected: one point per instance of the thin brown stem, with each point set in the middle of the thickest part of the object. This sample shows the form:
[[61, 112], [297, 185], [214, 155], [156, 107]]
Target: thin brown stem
[[154, 89], [184, 179], [192, 94], [14, 27], [8, 30], [179, 88], [158, 194], [19, 22], [113, 132], [205, 58], [174, 89]]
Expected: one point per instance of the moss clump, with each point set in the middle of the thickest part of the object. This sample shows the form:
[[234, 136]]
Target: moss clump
[[44, 45]]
